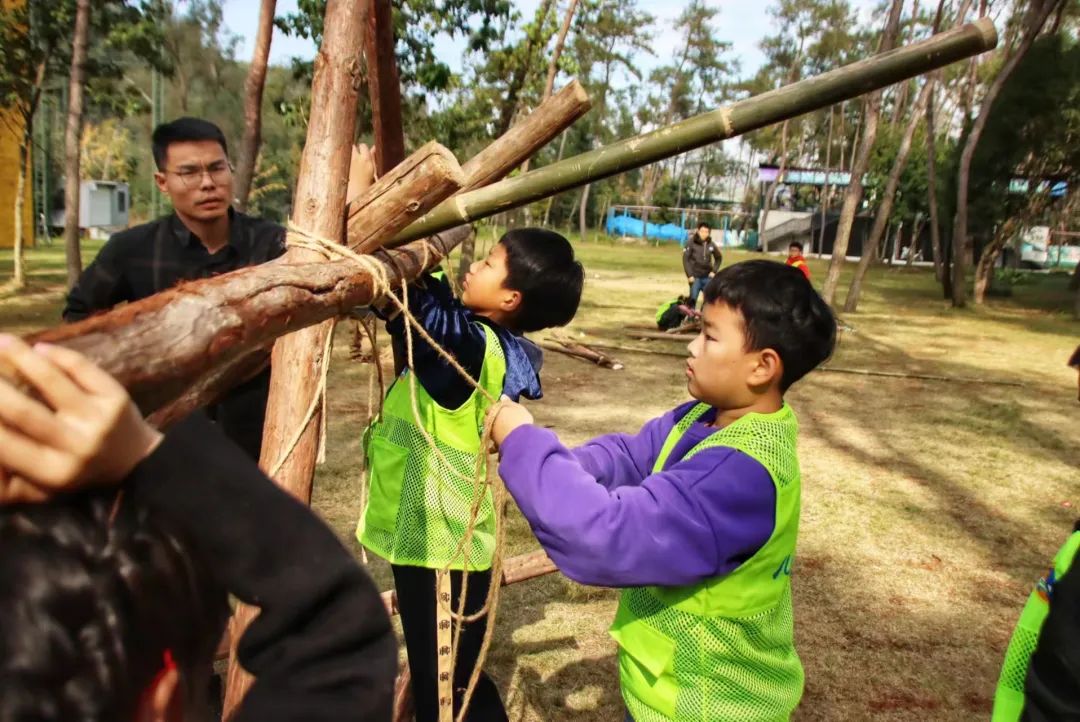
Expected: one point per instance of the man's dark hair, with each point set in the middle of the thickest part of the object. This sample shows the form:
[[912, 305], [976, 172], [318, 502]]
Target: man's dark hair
[[181, 130], [781, 311], [92, 599], [795, 244], [703, 224], [540, 265]]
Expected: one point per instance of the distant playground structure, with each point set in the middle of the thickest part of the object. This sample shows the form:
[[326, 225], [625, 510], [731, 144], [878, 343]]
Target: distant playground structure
[[805, 208], [727, 224]]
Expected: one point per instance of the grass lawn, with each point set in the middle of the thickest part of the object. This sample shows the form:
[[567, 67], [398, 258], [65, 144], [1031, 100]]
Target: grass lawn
[[929, 508]]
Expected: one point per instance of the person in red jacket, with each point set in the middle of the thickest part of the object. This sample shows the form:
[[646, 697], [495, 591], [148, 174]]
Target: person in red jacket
[[795, 258]]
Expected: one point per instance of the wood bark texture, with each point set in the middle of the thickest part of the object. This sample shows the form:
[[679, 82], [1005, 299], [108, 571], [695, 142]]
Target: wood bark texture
[[384, 86], [318, 208]]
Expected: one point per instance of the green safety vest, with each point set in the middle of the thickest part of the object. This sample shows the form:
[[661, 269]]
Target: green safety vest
[[1009, 698], [418, 510], [664, 309], [722, 649]]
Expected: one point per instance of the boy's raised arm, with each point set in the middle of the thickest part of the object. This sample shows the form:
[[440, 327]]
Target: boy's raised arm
[[696, 521]]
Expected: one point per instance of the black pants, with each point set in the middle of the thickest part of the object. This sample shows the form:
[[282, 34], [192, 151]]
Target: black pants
[[416, 602]]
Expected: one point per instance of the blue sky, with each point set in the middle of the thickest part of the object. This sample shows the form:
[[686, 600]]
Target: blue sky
[[742, 22]]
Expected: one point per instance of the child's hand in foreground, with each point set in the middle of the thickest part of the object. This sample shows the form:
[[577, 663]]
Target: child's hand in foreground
[[508, 416], [74, 427]]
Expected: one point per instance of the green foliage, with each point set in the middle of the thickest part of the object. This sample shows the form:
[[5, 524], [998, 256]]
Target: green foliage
[[1032, 132]]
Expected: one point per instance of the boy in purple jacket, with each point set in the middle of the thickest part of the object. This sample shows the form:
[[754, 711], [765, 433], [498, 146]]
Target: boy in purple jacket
[[696, 515]]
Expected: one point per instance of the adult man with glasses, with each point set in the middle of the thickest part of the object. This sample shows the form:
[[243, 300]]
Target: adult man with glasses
[[203, 237]]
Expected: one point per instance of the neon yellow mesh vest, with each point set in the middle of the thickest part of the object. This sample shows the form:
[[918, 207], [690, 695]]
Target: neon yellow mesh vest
[[418, 510], [1009, 699], [722, 649]]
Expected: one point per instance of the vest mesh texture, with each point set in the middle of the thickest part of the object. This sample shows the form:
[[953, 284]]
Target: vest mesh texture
[[432, 503], [1009, 698], [733, 666]]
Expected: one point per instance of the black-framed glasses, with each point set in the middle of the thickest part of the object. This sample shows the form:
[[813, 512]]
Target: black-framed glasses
[[191, 177]]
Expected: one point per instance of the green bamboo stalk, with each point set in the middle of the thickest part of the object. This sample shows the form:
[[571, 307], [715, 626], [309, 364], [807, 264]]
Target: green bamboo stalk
[[741, 117]]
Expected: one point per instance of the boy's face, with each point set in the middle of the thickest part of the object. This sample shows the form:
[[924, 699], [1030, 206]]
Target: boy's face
[[720, 371], [484, 291], [703, 232], [793, 252]]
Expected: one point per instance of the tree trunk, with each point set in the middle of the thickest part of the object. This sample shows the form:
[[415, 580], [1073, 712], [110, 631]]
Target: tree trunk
[[319, 209], [553, 69], [825, 188], [583, 210], [767, 200], [253, 93], [559, 157], [72, 136], [18, 280], [853, 194], [916, 231], [521, 72], [1038, 12], [468, 253], [884, 211], [384, 86], [931, 189], [904, 88], [984, 270]]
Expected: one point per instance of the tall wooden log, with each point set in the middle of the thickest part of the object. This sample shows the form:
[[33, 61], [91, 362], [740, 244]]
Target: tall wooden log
[[318, 208], [384, 87]]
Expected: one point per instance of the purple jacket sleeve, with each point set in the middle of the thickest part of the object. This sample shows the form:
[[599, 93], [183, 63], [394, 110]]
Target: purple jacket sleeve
[[618, 460], [698, 519]]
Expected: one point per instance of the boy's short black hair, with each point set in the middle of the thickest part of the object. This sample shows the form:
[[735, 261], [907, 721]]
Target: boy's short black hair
[[180, 130], [795, 244], [781, 311], [540, 265], [703, 224]]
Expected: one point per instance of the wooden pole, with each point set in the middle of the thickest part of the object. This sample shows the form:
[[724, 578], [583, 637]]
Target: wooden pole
[[229, 316], [319, 209], [158, 346], [384, 86]]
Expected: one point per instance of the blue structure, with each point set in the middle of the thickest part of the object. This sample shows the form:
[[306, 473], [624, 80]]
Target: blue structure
[[624, 224]]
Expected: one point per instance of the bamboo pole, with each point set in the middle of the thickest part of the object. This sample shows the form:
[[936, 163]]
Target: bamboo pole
[[772, 107]]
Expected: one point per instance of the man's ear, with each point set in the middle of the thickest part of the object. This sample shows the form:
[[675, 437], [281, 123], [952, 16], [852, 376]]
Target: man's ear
[[767, 369], [162, 701], [159, 180]]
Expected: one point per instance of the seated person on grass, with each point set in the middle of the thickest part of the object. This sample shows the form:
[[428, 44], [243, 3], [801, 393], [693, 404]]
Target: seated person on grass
[[696, 515], [418, 509], [119, 548]]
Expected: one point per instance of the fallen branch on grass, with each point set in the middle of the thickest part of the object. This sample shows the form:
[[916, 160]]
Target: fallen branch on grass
[[581, 351]]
